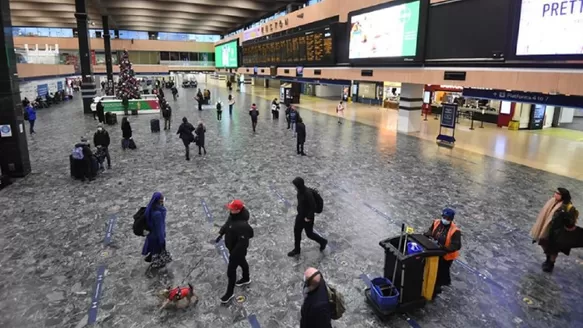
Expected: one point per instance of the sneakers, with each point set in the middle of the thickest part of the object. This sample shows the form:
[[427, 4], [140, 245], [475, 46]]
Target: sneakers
[[293, 253], [242, 282], [323, 246], [548, 267], [226, 298]]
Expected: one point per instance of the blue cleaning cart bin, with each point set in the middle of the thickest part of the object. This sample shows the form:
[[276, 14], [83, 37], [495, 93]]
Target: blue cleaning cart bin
[[384, 302]]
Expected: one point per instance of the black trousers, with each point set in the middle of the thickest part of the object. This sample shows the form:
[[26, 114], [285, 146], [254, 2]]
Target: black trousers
[[301, 225], [234, 263], [200, 105], [187, 148], [107, 157], [254, 123], [300, 147], [443, 276], [219, 115]]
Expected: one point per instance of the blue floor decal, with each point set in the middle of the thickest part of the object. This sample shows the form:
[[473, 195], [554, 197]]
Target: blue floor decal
[[209, 216], [109, 232], [222, 249], [280, 196], [96, 295], [253, 322]]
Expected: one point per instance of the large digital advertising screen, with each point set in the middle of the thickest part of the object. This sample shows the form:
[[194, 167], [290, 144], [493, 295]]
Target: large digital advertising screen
[[227, 55], [550, 28], [386, 32]]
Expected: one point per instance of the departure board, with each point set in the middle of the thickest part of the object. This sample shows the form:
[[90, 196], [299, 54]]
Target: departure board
[[315, 47]]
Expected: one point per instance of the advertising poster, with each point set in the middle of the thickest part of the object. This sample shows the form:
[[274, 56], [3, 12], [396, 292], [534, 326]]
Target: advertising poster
[[550, 28], [227, 55], [60, 85], [42, 90], [388, 32]]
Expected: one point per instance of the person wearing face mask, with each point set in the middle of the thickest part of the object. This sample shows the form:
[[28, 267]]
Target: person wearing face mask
[[237, 232], [449, 237], [101, 140], [316, 311], [154, 248]]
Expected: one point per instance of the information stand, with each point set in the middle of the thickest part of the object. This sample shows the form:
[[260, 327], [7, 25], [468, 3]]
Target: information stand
[[448, 120]]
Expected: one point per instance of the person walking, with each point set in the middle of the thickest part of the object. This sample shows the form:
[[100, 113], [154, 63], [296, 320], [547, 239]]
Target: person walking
[[167, 115], [305, 218], [254, 113], [275, 109], [200, 132], [154, 248], [100, 111], [237, 232], [101, 139], [31, 117], [219, 107], [340, 111], [449, 237], [316, 311], [185, 132], [174, 92], [301, 136], [293, 118], [231, 104], [556, 216], [126, 132]]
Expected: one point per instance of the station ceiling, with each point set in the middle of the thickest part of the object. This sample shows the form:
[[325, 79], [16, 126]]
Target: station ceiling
[[186, 16]]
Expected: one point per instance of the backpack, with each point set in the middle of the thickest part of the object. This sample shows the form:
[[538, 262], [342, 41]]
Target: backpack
[[337, 304], [166, 112], [318, 200], [77, 153], [140, 224], [219, 107]]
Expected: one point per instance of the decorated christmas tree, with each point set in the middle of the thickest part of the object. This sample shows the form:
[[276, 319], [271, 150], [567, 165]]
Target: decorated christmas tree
[[128, 85]]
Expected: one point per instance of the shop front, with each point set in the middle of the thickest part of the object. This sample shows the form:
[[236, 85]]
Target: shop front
[[391, 94], [370, 93]]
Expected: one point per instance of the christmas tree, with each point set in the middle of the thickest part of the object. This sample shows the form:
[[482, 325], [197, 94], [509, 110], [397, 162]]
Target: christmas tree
[[127, 86]]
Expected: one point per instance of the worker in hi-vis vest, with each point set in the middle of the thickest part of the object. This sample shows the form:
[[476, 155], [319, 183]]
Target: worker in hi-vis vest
[[449, 237]]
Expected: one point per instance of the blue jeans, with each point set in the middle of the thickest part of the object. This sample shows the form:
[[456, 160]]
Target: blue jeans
[[31, 126]]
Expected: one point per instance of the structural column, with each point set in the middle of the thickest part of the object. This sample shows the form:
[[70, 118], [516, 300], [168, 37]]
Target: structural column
[[88, 91], [410, 105], [108, 62], [14, 160]]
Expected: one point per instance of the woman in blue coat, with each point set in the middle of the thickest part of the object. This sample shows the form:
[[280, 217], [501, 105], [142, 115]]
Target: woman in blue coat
[[155, 245], [31, 113]]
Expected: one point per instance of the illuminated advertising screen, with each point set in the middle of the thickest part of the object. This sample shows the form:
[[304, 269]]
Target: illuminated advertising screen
[[387, 32], [550, 28], [227, 55]]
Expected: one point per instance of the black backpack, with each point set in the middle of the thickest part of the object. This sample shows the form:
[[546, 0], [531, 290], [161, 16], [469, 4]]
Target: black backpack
[[140, 224], [318, 200]]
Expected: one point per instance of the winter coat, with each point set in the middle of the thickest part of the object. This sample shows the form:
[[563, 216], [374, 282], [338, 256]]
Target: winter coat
[[126, 130], [306, 201], [254, 113], [101, 111], [185, 131], [316, 311], [237, 233], [560, 239], [200, 131], [101, 138], [301, 131], [540, 230], [31, 113], [156, 240]]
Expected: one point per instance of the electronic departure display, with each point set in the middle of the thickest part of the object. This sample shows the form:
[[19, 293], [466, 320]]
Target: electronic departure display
[[315, 47]]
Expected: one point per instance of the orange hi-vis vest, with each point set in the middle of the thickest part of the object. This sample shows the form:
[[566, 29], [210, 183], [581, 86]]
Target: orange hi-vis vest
[[453, 255]]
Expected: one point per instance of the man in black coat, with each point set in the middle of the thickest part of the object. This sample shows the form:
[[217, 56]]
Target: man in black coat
[[305, 218], [316, 311], [237, 233], [100, 112], [301, 136], [101, 139]]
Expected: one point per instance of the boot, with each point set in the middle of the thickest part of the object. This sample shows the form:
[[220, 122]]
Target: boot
[[549, 267]]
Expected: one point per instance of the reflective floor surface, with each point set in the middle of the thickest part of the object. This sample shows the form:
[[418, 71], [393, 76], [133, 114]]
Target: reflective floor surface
[[53, 228]]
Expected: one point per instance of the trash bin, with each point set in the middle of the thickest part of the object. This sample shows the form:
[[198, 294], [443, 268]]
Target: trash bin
[[416, 270]]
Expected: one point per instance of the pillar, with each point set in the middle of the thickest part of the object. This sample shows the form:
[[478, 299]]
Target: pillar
[[107, 47], [410, 105], [14, 159], [88, 91]]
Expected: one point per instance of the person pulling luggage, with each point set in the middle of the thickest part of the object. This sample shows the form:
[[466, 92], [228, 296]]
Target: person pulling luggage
[[101, 140]]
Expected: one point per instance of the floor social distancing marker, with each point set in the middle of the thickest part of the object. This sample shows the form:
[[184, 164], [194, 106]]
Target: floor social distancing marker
[[99, 281], [224, 253]]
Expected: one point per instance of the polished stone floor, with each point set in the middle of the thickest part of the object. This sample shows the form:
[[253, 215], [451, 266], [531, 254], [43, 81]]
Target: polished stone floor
[[53, 228]]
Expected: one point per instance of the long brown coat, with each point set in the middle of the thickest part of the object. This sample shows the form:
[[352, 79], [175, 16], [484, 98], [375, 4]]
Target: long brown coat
[[541, 228]]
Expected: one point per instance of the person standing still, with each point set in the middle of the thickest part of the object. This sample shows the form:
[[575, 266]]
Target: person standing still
[[126, 104], [31, 112], [301, 137], [254, 113], [167, 115], [200, 132], [315, 311], [305, 218], [154, 248], [199, 98], [100, 111], [126, 132], [101, 139], [340, 111], [293, 118], [237, 232], [185, 132], [231, 104]]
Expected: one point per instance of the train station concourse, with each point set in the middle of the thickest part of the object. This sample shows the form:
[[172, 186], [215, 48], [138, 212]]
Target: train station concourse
[[431, 150]]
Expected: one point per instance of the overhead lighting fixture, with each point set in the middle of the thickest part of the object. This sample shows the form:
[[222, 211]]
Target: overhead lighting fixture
[[92, 23]]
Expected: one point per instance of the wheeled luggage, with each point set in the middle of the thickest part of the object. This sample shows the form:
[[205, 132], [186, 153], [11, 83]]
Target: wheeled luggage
[[125, 143], [134, 112], [132, 144], [110, 118], [155, 125]]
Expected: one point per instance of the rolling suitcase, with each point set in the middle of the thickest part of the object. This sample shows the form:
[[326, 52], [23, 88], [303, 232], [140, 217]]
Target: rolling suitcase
[[155, 125], [110, 118], [125, 143], [134, 112]]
